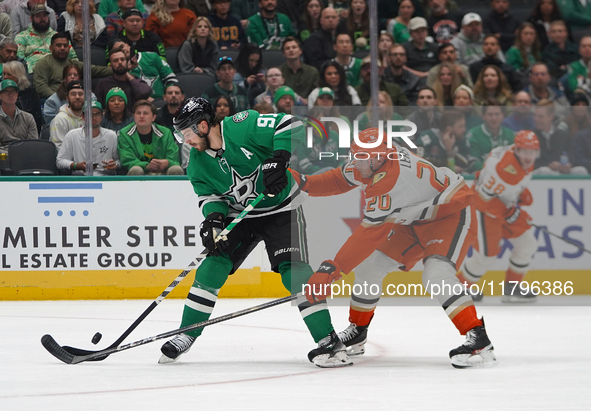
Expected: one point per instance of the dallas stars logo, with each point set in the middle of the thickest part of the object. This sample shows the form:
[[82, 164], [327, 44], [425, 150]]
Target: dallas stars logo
[[243, 189]]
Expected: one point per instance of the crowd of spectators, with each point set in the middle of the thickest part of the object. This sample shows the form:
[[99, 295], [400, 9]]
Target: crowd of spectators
[[469, 75]]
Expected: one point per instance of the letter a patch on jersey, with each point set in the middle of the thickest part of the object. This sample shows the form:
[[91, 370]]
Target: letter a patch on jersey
[[247, 153], [510, 169]]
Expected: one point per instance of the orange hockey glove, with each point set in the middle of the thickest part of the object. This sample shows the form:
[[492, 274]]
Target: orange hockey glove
[[319, 283], [525, 198]]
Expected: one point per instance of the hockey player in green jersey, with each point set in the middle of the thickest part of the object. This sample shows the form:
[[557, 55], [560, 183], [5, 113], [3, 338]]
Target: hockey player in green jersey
[[232, 161]]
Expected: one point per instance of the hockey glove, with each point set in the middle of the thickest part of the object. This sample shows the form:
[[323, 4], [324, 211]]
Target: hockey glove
[[319, 283], [275, 172], [301, 180], [525, 198], [209, 230]]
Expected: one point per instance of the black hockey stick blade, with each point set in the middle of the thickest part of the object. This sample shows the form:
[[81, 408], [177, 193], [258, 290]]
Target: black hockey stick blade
[[61, 354]]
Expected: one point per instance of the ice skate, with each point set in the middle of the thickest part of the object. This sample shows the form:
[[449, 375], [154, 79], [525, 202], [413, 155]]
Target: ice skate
[[354, 337], [173, 349], [331, 353], [477, 351], [514, 294]]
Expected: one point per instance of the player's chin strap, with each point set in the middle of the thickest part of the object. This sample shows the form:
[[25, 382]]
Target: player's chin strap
[[543, 228]]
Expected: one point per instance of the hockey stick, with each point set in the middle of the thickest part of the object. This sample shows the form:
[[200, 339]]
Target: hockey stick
[[562, 238], [164, 294], [61, 354]]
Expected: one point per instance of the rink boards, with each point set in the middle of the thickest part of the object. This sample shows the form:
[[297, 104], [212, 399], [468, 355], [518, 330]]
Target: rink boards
[[117, 238]]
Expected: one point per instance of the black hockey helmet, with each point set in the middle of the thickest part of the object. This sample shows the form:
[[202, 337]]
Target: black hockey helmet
[[190, 113]]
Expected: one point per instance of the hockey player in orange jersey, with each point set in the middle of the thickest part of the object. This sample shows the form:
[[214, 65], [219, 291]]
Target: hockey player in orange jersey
[[500, 190], [413, 211]]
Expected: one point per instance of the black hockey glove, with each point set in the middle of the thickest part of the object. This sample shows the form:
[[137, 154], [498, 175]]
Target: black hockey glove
[[210, 228], [275, 172]]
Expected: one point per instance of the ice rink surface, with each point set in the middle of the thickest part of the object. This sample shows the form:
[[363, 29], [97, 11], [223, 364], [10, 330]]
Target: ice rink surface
[[258, 362]]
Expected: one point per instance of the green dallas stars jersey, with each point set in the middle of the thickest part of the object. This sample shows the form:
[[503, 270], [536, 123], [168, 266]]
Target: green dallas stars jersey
[[227, 180]]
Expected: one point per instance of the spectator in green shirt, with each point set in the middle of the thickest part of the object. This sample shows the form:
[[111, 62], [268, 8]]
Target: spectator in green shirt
[[526, 50]]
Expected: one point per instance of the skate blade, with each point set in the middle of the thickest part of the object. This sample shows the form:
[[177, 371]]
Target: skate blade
[[339, 359], [356, 349], [167, 360], [484, 359], [518, 300]]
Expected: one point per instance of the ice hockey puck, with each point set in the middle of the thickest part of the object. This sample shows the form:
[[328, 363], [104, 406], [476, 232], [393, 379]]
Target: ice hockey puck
[[97, 337]]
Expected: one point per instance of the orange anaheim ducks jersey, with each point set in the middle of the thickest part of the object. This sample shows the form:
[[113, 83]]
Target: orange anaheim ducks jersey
[[500, 183], [410, 190]]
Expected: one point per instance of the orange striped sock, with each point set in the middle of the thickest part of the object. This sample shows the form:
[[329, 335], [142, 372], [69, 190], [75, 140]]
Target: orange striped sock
[[361, 318], [511, 275], [466, 319]]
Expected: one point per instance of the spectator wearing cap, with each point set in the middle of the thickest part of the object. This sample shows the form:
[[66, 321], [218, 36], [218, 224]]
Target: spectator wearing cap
[[284, 100], [501, 23], [225, 86], [148, 67], [521, 117], [173, 96], [114, 19], [15, 124], [171, 21], [468, 43], [135, 89], [146, 147], [227, 30], [491, 50], [447, 54], [421, 55], [49, 70], [133, 33], [106, 7], [364, 89], [397, 74], [70, 115], [268, 28], [199, 53], [21, 16], [444, 24], [116, 115], [105, 157], [34, 41], [302, 78], [343, 46], [319, 46], [28, 99]]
